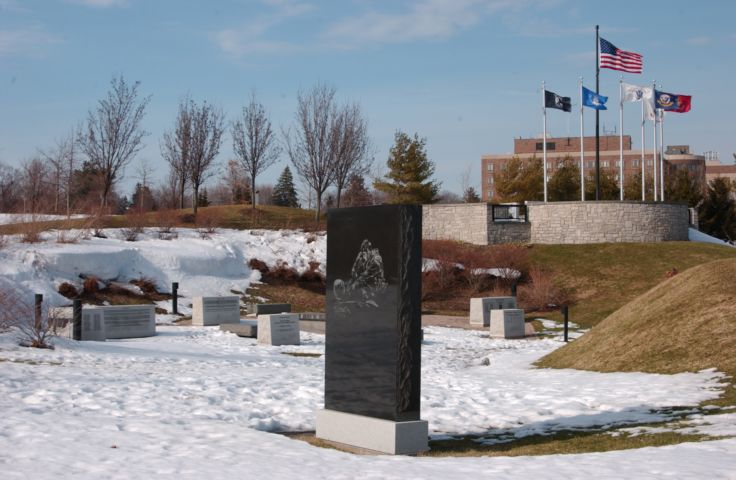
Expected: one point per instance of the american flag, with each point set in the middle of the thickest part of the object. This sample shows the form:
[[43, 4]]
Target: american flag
[[615, 59]]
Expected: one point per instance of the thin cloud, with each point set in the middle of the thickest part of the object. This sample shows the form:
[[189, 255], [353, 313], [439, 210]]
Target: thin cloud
[[700, 41], [100, 3], [30, 41], [249, 39]]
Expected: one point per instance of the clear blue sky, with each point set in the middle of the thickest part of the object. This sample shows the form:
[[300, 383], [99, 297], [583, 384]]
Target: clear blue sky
[[466, 74]]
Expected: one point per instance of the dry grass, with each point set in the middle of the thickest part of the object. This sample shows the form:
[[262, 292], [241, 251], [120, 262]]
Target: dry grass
[[569, 442], [300, 298], [605, 277], [687, 323]]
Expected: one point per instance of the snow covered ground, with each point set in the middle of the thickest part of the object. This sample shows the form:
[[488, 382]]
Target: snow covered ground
[[195, 402]]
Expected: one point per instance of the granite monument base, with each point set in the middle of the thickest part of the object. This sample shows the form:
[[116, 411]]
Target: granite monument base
[[480, 308], [507, 323], [386, 436], [280, 329]]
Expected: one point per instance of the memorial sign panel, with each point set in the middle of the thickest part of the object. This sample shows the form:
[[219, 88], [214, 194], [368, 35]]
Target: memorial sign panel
[[128, 321], [480, 308], [278, 329], [507, 323]]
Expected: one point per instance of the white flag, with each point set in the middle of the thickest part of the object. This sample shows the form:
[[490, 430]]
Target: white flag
[[635, 93]]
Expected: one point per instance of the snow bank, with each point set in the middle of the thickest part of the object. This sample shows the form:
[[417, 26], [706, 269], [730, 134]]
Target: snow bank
[[213, 266], [695, 235], [8, 218]]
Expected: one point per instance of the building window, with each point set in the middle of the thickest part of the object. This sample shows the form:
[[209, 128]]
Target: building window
[[649, 163], [490, 180], [618, 163], [635, 163], [605, 163], [490, 167], [550, 146], [591, 164]]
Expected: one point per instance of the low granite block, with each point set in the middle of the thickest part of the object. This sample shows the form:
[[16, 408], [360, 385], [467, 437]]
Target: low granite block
[[278, 329], [246, 328], [481, 307], [268, 308], [507, 323], [209, 311], [93, 325]]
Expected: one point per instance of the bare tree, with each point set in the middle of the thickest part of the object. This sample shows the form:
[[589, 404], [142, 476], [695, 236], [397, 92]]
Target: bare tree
[[175, 148], [113, 134], [350, 146], [10, 186], [311, 146], [206, 139], [62, 161], [254, 142], [144, 172], [35, 179]]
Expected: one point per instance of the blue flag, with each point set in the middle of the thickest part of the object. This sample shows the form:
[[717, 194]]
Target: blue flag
[[593, 100]]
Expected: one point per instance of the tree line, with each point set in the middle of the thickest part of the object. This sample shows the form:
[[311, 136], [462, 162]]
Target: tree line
[[327, 144]]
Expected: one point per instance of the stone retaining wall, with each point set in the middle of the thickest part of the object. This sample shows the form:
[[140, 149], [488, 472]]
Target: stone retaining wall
[[603, 222], [471, 223]]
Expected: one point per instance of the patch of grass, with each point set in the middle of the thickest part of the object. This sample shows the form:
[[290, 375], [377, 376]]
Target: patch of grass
[[301, 299], [29, 362], [567, 442]]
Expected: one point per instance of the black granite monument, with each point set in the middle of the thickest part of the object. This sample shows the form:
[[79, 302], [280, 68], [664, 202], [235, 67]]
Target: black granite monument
[[373, 324]]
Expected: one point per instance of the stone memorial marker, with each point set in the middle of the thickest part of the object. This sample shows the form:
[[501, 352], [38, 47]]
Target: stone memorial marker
[[208, 311], [480, 308], [507, 323], [373, 329], [127, 321], [268, 308], [245, 328], [278, 329]]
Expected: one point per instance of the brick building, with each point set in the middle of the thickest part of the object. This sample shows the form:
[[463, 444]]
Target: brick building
[[714, 168], [676, 157]]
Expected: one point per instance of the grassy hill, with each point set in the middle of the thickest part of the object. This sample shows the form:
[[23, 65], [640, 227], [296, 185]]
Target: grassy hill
[[605, 277], [687, 323]]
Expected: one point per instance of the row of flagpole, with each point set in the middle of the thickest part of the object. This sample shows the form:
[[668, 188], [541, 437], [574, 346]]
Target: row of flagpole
[[630, 62]]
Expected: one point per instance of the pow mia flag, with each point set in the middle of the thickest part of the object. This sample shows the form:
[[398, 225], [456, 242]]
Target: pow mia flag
[[552, 100]]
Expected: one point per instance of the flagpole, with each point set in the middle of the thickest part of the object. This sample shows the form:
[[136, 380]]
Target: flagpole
[[643, 160], [544, 140], [597, 120], [654, 148], [621, 138], [582, 146], [661, 155]]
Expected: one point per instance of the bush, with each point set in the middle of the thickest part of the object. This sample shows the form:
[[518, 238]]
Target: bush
[[91, 285], [147, 285], [129, 234], [282, 274], [68, 290], [512, 261], [312, 275], [207, 222], [31, 232], [34, 328], [165, 221], [541, 293]]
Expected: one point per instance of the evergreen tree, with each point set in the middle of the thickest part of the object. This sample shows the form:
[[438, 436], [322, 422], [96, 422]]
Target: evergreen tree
[[284, 193], [356, 194], [683, 187], [202, 200], [609, 186], [520, 180], [143, 198], [471, 196], [564, 185], [408, 179], [717, 214]]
